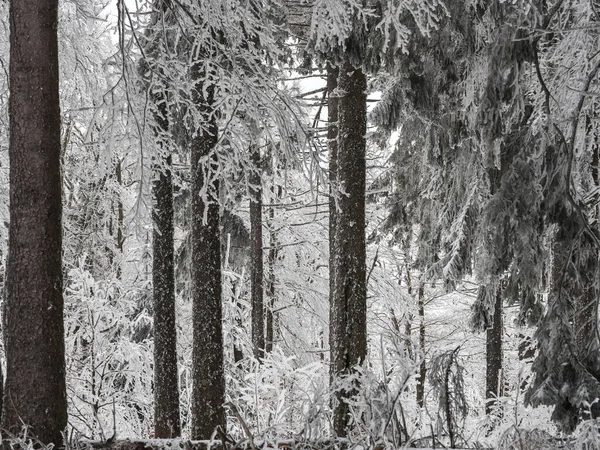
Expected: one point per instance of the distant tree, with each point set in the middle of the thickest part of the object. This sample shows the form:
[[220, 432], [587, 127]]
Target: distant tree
[[35, 392], [493, 346], [256, 255], [422, 343]]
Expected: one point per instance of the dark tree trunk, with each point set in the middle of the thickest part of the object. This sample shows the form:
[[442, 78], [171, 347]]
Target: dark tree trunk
[[493, 356], [120, 215], [409, 318], [332, 134], [1, 388], [423, 365], [585, 314], [35, 392], [166, 381], [272, 258], [256, 257], [348, 325], [208, 390]]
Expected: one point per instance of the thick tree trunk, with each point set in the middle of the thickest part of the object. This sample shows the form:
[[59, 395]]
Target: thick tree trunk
[[256, 257], [348, 325], [166, 381], [493, 357], [423, 365], [208, 390], [332, 134], [35, 392]]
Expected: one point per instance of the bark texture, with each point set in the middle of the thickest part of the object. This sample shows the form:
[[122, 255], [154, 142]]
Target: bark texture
[[332, 134], [208, 390], [348, 326], [35, 392], [423, 365], [270, 317], [493, 356], [166, 381], [256, 257]]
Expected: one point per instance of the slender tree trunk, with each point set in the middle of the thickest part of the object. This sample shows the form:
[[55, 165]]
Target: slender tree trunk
[[166, 380], [208, 390], [348, 325], [120, 215], [35, 392], [256, 257], [409, 318], [272, 258], [423, 365], [585, 319], [493, 356]]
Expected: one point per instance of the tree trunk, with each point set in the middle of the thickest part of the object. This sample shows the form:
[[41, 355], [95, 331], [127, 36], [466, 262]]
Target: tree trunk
[[272, 258], [332, 134], [256, 257], [120, 215], [35, 392], [423, 365], [348, 325], [208, 390], [493, 356], [166, 381]]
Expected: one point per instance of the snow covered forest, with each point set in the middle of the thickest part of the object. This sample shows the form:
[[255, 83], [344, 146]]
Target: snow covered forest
[[368, 224]]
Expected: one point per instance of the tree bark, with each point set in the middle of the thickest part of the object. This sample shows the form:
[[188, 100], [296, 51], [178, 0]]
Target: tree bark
[[348, 325], [120, 214], [423, 365], [208, 389], [272, 258], [332, 134], [166, 380], [256, 257], [493, 356], [35, 392]]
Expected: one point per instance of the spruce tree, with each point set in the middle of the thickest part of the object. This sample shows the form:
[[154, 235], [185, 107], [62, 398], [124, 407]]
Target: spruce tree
[[348, 317], [208, 377], [35, 392], [256, 256]]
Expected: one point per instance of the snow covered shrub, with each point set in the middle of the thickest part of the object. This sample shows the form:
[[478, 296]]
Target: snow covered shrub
[[377, 410], [587, 435], [108, 356], [24, 441], [279, 398], [446, 375], [515, 438]]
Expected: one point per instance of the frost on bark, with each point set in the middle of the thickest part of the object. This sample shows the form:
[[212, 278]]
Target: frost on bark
[[208, 380], [493, 356], [348, 326], [35, 393], [256, 257], [166, 385]]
